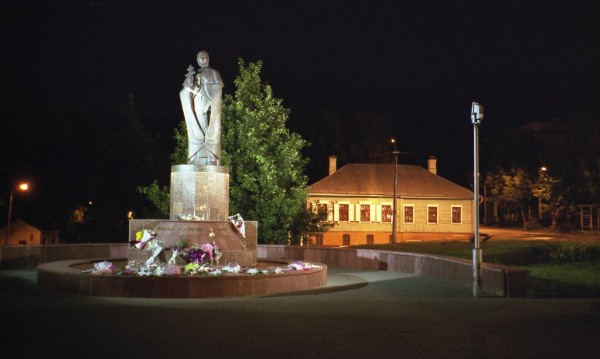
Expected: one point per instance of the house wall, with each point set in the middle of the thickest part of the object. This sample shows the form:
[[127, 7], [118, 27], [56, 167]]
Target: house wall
[[22, 234], [378, 231]]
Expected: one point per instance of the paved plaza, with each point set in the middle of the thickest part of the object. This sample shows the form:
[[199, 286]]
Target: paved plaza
[[359, 314]]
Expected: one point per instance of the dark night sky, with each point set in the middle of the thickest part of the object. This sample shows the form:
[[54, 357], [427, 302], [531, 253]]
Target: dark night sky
[[424, 62]]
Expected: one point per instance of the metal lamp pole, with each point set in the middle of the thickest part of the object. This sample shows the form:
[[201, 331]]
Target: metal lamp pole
[[9, 215], [476, 117], [394, 205], [22, 187]]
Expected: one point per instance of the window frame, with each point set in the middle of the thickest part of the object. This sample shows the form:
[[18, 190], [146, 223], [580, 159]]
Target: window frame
[[452, 207], [437, 213], [404, 207]]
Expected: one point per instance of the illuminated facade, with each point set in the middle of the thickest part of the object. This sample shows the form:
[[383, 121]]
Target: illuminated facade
[[359, 200]]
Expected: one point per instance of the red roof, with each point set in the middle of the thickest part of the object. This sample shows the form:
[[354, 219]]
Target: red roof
[[378, 180]]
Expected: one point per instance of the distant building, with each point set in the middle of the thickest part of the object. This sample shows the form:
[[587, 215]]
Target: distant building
[[359, 200], [24, 234]]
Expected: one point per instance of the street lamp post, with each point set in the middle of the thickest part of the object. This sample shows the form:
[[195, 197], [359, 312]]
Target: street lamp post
[[542, 173], [22, 187], [394, 204], [476, 117]]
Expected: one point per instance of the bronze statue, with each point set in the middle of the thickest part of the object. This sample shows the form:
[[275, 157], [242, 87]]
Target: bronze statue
[[201, 103]]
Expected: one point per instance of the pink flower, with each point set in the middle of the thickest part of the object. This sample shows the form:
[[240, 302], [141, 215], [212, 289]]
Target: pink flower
[[208, 248]]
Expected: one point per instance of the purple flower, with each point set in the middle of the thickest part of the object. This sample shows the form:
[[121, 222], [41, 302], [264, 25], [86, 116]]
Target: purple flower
[[196, 255]]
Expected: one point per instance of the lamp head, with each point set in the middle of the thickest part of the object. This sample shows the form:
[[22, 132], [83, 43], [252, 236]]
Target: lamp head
[[476, 113]]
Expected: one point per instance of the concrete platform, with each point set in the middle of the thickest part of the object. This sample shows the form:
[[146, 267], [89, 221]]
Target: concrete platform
[[67, 277]]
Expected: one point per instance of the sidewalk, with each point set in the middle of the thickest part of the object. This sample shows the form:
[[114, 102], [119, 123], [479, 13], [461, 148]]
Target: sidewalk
[[359, 314]]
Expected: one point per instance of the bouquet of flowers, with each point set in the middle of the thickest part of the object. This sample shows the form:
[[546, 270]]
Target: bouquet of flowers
[[142, 238]]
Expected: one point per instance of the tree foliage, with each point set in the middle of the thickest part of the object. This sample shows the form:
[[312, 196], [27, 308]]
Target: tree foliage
[[267, 181], [511, 189], [311, 221], [569, 152]]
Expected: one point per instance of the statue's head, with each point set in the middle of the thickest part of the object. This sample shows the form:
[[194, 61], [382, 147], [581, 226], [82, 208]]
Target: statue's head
[[202, 58]]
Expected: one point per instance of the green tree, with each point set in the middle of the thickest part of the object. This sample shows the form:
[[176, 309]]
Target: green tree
[[311, 221], [511, 190], [267, 181], [548, 199]]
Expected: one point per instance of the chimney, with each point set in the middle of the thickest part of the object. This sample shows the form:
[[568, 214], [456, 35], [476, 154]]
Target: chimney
[[432, 164], [332, 164]]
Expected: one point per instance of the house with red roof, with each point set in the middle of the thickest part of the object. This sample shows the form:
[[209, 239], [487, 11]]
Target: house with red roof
[[359, 200]]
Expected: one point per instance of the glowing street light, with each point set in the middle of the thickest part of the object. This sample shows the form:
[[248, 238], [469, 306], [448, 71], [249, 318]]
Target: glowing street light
[[394, 211], [22, 187], [476, 117]]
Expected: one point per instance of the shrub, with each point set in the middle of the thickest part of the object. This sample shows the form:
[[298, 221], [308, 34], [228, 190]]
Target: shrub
[[533, 225], [575, 252]]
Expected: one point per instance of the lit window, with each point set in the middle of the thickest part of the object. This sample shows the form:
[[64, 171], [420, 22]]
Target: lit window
[[365, 213], [456, 215], [409, 214], [432, 214], [344, 210], [386, 213]]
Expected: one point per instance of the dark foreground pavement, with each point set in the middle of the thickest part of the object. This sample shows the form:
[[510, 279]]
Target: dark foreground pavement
[[360, 314]]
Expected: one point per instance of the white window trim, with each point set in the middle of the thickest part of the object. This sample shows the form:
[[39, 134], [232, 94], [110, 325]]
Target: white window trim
[[336, 212]]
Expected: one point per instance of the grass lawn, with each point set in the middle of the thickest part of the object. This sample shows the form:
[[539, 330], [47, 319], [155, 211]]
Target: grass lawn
[[558, 269]]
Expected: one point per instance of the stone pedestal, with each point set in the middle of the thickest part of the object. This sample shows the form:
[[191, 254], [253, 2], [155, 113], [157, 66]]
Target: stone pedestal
[[235, 247], [199, 205], [199, 193]]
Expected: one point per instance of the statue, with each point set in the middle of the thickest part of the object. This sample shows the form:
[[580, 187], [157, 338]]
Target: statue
[[201, 103]]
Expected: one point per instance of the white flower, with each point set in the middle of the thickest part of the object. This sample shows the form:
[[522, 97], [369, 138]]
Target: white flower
[[232, 268], [296, 266], [148, 235], [215, 272], [252, 271], [159, 271], [144, 271]]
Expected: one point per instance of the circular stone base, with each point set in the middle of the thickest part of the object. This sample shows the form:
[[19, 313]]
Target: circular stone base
[[68, 277]]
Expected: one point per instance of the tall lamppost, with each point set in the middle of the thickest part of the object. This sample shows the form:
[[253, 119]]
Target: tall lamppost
[[542, 173], [22, 187], [476, 117], [394, 205]]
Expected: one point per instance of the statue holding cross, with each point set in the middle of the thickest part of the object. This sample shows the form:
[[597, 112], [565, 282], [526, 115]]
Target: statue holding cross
[[201, 102]]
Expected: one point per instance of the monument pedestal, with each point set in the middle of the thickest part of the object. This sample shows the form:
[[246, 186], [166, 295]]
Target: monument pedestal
[[199, 206], [235, 247], [199, 193]]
